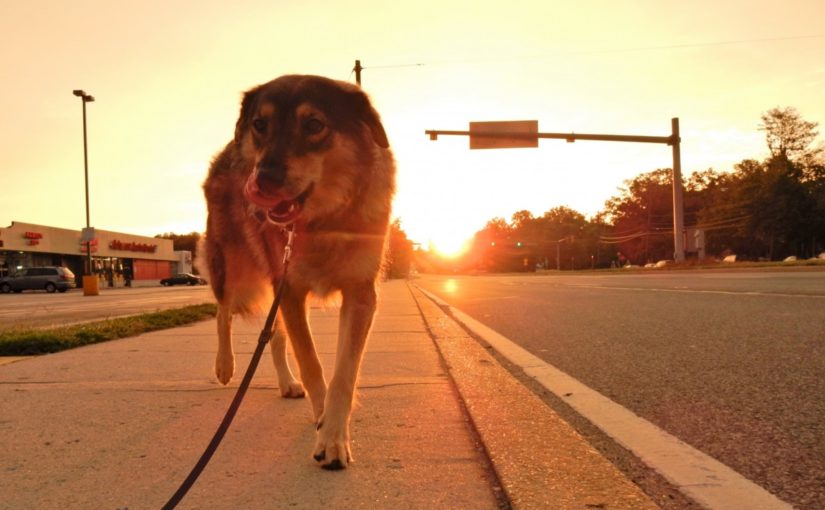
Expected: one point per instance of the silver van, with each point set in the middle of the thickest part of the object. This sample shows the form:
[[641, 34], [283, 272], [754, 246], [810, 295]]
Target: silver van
[[50, 279]]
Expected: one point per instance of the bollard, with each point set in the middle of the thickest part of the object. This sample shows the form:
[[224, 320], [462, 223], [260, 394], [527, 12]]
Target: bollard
[[90, 285]]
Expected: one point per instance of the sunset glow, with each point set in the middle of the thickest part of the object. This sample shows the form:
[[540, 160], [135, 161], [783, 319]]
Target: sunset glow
[[168, 85], [451, 245]]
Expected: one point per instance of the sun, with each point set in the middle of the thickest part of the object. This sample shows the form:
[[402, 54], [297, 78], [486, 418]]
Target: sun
[[449, 245]]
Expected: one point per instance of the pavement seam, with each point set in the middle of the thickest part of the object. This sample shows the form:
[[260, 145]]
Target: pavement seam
[[498, 488]]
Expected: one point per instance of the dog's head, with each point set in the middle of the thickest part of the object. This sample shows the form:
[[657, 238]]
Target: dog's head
[[312, 140]]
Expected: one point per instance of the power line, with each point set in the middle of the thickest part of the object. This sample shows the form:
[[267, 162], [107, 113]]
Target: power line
[[392, 66], [706, 44], [511, 58]]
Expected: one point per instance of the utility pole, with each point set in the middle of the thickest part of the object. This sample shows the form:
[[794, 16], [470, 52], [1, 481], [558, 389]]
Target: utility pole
[[357, 70], [678, 194]]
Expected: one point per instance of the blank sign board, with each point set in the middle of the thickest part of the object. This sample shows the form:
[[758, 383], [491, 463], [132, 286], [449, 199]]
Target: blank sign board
[[512, 134]]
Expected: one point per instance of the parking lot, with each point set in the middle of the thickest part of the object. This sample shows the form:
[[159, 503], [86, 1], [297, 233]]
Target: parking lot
[[41, 309]]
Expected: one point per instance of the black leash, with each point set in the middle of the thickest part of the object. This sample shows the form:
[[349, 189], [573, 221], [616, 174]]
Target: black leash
[[263, 339]]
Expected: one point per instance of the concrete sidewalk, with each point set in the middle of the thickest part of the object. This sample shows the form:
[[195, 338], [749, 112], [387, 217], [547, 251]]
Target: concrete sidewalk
[[120, 424]]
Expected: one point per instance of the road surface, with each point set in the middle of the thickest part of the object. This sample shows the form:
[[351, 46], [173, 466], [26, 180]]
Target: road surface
[[733, 363], [41, 309]]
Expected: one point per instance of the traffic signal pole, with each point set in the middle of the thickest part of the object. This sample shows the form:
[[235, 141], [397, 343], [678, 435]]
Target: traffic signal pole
[[678, 195], [674, 140]]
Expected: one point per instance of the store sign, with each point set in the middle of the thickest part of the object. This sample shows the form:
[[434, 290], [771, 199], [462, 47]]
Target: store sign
[[84, 246], [33, 238], [140, 247]]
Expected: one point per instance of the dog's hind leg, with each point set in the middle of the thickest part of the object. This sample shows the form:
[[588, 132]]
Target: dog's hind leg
[[332, 445], [290, 387], [225, 360], [312, 374]]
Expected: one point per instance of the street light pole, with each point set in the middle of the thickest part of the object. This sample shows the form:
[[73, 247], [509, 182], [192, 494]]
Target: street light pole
[[86, 98], [558, 250]]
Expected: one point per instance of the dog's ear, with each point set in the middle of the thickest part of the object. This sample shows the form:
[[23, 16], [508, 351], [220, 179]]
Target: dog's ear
[[376, 128], [373, 121], [369, 116], [247, 105]]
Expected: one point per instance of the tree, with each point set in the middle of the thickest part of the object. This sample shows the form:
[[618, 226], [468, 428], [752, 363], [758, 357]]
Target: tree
[[789, 136], [498, 226], [760, 210], [642, 217], [500, 246], [399, 253], [184, 242], [792, 215], [521, 219]]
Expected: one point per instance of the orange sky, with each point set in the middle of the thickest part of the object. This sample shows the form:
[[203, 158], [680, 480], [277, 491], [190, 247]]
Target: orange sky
[[167, 78]]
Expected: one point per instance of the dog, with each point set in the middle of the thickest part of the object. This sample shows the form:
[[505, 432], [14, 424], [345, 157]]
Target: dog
[[310, 153]]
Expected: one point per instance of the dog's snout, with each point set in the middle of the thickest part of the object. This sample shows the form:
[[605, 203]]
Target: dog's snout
[[271, 174]]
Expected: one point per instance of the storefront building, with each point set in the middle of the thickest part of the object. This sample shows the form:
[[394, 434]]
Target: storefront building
[[117, 259]]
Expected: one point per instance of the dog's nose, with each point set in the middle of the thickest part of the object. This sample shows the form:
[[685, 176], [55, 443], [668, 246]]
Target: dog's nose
[[271, 175]]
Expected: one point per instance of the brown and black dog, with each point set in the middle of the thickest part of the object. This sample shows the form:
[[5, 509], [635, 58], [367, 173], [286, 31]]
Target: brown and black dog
[[312, 153]]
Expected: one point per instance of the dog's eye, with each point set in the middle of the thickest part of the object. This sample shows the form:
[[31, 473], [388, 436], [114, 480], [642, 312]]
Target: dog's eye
[[259, 125], [313, 126]]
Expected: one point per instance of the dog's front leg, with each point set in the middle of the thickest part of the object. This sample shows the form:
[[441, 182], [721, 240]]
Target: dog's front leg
[[294, 314], [290, 388], [332, 446]]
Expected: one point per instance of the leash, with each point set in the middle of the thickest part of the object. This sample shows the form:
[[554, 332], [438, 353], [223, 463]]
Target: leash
[[263, 339]]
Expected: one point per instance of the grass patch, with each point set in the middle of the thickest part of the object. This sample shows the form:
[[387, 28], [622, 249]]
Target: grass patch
[[30, 341]]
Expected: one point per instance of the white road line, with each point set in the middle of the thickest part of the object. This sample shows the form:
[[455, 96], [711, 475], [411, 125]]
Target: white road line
[[697, 291], [701, 477]]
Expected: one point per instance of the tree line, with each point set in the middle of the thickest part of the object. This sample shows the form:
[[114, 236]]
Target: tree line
[[761, 210], [396, 265]]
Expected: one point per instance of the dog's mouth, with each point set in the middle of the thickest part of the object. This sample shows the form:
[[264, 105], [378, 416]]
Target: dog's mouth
[[279, 210], [286, 211]]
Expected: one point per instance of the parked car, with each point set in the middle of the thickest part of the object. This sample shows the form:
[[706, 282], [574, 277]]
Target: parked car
[[50, 279], [183, 279]]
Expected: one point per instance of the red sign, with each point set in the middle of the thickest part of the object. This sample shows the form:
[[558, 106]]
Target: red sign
[[142, 247], [33, 235], [84, 246], [33, 242]]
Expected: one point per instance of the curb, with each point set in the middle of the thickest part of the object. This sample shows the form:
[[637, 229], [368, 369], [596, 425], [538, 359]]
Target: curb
[[540, 460]]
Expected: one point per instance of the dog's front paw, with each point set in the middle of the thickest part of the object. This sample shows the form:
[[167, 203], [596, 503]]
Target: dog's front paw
[[224, 367], [292, 389], [332, 448]]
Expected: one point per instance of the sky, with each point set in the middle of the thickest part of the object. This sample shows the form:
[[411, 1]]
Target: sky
[[167, 77]]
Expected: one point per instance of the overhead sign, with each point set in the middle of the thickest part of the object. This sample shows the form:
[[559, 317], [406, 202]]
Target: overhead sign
[[513, 134]]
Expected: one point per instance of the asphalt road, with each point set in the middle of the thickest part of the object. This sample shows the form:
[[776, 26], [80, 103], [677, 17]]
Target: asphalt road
[[733, 363], [41, 309]]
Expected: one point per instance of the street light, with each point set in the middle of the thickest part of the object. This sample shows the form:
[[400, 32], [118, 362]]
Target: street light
[[86, 98], [558, 251]]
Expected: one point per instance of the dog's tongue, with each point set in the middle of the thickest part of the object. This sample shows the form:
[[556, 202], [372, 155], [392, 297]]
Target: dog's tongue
[[255, 195], [278, 209], [284, 212]]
